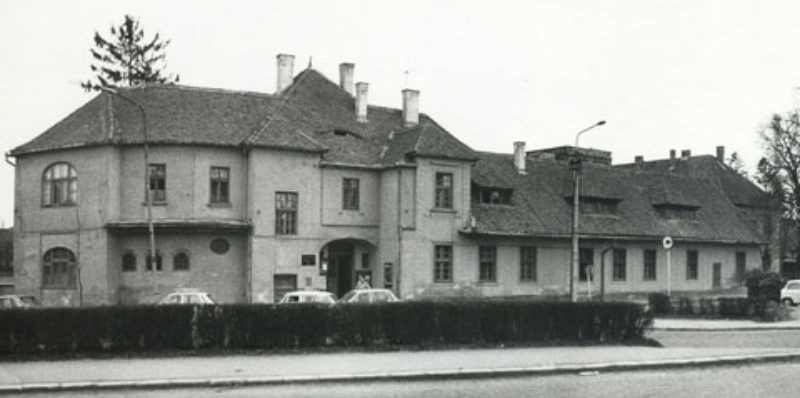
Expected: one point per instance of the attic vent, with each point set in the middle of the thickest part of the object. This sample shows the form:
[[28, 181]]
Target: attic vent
[[341, 133]]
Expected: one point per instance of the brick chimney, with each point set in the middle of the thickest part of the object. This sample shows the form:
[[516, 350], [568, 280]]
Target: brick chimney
[[671, 154], [346, 72], [285, 72], [721, 153], [639, 159], [410, 107], [686, 154], [362, 89], [519, 157]]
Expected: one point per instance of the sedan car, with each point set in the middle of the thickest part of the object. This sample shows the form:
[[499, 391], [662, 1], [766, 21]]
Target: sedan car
[[16, 301], [369, 296], [790, 294], [308, 296], [187, 297]]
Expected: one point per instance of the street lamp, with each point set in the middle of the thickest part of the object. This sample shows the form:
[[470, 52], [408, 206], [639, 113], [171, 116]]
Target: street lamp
[[147, 198], [575, 166]]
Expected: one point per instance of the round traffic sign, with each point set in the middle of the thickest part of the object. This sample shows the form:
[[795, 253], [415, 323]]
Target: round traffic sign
[[667, 242]]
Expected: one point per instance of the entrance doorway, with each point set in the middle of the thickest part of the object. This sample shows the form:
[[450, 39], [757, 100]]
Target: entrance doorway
[[343, 265], [284, 283], [717, 276]]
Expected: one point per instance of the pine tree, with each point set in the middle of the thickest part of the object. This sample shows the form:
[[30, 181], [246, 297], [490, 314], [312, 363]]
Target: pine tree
[[128, 59]]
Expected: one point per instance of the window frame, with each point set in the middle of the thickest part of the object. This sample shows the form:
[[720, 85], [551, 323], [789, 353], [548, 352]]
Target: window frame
[[53, 187], [159, 262], [68, 273], [443, 264], [175, 264], [583, 276], [487, 261], [649, 269], [619, 265], [692, 268], [351, 193], [125, 266], [152, 177], [443, 194], [528, 258], [290, 225], [741, 266], [219, 187]]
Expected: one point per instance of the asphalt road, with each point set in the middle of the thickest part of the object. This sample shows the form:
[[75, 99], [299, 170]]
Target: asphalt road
[[748, 339], [766, 380]]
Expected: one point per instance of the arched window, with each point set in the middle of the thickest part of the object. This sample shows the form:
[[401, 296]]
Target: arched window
[[59, 269], [128, 262], [149, 264], [180, 262], [59, 185]]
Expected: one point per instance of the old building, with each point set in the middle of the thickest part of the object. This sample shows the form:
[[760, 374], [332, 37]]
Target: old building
[[6, 260], [253, 194]]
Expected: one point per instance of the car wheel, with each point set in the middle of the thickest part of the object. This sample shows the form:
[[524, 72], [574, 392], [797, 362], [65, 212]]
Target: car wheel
[[787, 302]]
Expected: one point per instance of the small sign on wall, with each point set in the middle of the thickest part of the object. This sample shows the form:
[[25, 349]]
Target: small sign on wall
[[309, 260]]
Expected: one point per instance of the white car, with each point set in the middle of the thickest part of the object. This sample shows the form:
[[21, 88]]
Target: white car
[[308, 296], [10, 301], [790, 294], [369, 296], [187, 297]]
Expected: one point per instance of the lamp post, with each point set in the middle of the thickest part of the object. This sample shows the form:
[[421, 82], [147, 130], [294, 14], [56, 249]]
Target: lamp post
[[575, 166], [147, 198]]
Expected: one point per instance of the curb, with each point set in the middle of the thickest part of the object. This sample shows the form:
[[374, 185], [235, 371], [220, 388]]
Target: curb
[[725, 329], [543, 370]]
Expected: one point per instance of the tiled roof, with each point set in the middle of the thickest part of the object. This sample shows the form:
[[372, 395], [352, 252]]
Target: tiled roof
[[541, 205], [313, 114]]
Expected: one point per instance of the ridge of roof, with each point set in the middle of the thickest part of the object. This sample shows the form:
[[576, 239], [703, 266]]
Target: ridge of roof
[[184, 87]]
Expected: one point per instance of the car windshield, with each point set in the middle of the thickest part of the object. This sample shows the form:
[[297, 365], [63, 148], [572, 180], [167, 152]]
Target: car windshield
[[349, 295]]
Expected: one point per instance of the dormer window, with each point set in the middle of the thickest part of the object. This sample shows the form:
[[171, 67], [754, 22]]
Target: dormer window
[[671, 211], [599, 206], [340, 133], [491, 195]]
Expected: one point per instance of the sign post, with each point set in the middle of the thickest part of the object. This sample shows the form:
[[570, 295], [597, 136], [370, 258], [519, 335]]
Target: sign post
[[667, 243]]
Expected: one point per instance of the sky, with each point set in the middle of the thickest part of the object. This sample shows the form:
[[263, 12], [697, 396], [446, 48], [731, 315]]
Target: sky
[[663, 74]]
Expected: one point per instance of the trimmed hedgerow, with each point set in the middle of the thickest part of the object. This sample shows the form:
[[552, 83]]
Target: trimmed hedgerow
[[244, 326]]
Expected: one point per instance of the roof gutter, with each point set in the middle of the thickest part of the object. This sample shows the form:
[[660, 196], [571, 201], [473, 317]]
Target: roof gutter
[[608, 237], [8, 155]]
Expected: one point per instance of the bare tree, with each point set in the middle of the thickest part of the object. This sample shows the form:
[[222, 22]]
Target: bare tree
[[128, 59], [779, 170]]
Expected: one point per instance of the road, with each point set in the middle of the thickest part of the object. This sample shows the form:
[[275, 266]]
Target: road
[[750, 339]]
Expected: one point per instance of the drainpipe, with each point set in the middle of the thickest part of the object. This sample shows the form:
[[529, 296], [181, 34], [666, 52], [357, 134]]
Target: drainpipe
[[398, 273], [247, 217], [603, 270]]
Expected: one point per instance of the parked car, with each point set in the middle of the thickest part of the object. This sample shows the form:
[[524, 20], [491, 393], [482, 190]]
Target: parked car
[[308, 296], [369, 296], [790, 294], [16, 301], [187, 297]]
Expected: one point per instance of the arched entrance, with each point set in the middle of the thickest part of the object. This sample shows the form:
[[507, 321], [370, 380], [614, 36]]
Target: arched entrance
[[345, 261]]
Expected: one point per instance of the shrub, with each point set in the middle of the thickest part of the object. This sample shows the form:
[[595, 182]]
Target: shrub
[[659, 303], [771, 311], [685, 306], [762, 285], [244, 326]]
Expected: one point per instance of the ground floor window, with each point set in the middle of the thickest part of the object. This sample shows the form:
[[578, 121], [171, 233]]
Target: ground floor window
[[586, 260], [149, 264], [59, 269], [128, 262], [527, 264], [741, 266], [620, 262], [691, 265], [443, 263], [487, 263], [180, 262], [649, 265]]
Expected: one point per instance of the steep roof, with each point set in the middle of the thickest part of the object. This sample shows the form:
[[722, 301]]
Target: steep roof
[[313, 114], [541, 205]]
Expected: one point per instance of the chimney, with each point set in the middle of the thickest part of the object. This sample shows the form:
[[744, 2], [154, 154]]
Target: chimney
[[285, 72], [362, 89], [410, 107], [671, 154], [639, 159], [519, 156], [721, 153], [686, 154], [346, 71]]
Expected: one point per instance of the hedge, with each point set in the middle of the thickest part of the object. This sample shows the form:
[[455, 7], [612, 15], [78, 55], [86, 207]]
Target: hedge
[[265, 327]]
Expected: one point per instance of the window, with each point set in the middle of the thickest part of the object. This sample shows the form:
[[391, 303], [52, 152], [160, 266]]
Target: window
[[676, 212], [388, 278], [443, 263], [180, 262], [598, 206], [444, 191], [59, 269], [491, 196], [350, 194], [158, 182], [219, 185], [691, 265], [220, 246], [620, 259], [149, 263], [527, 264], [649, 265], [286, 213], [59, 186], [488, 264], [128, 262], [741, 266], [585, 261], [365, 260]]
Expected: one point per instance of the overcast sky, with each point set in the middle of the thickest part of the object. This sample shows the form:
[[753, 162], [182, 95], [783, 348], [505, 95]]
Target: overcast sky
[[664, 74]]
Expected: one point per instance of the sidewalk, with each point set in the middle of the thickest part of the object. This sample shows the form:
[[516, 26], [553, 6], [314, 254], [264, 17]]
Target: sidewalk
[[720, 325], [155, 373]]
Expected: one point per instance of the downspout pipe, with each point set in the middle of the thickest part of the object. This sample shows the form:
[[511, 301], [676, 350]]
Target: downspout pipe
[[603, 270]]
